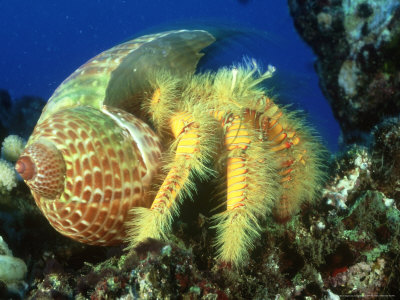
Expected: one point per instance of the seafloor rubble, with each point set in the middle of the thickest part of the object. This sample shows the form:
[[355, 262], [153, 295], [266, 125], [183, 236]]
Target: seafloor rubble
[[358, 58], [347, 244]]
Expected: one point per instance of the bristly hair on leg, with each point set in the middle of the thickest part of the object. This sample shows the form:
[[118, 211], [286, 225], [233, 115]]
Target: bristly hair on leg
[[163, 100]]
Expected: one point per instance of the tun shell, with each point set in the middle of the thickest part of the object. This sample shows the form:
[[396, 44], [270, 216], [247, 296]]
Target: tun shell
[[92, 157]]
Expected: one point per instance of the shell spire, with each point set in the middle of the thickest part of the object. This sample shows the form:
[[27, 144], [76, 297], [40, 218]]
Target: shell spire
[[42, 167], [25, 167]]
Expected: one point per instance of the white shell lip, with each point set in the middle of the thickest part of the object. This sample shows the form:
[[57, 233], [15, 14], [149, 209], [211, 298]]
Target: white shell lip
[[139, 137]]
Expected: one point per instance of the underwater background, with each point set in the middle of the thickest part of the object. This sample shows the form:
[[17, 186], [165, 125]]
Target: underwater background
[[45, 41], [333, 58]]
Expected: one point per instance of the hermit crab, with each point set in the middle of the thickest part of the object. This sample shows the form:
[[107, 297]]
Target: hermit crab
[[139, 111]]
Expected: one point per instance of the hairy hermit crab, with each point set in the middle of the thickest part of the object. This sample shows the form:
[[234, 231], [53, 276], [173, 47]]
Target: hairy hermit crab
[[93, 155]]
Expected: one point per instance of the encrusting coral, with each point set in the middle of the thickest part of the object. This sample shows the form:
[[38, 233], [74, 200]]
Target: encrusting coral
[[357, 58], [386, 157]]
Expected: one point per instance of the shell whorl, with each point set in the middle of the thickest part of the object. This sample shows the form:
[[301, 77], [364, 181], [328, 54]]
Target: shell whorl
[[103, 171]]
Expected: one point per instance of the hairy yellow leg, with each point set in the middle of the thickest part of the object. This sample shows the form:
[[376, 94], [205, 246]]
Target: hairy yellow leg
[[291, 153], [246, 194], [156, 221], [186, 131], [237, 141]]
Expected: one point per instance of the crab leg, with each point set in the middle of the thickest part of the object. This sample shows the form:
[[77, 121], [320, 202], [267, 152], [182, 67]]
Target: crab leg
[[293, 157], [237, 141], [249, 190], [186, 131], [156, 221], [297, 153]]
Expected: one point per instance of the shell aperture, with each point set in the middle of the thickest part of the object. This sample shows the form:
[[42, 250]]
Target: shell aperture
[[175, 51], [118, 76]]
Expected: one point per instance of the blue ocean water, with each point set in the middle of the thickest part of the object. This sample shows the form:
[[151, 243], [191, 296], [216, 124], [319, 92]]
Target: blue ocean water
[[44, 41]]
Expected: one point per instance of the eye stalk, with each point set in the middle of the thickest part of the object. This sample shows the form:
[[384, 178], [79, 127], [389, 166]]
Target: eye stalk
[[42, 167]]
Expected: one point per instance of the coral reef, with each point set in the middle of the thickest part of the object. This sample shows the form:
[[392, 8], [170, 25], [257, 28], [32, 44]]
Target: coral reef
[[8, 177], [356, 43], [327, 251], [5, 105], [346, 244], [18, 116], [12, 147], [361, 278], [386, 157], [12, 271]]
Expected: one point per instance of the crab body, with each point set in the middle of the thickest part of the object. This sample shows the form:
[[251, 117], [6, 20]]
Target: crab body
[[92, 158]]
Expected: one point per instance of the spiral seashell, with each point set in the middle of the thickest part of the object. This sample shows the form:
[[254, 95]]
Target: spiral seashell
[[86, 171], [91, 157]]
